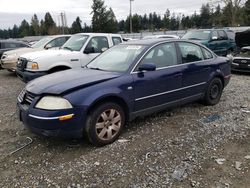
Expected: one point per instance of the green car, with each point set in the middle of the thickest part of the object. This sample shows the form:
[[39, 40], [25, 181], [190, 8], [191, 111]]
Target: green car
[[218, 40]]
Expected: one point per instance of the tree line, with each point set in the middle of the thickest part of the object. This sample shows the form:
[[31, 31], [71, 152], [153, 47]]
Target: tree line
[[233, 13]]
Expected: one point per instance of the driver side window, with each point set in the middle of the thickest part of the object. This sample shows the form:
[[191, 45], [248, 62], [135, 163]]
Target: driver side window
[[163, 55], [98, 44]]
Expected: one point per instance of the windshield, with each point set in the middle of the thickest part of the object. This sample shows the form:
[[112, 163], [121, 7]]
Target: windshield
[[197, 35], [116, 59], [41, 43], [75, 43]]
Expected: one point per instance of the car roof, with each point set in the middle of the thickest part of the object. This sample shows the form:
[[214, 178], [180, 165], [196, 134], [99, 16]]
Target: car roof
[[99, 34], [150, 42]]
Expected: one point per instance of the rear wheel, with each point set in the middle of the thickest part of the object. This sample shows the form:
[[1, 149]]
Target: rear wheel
[[214, 92], [105, 123]]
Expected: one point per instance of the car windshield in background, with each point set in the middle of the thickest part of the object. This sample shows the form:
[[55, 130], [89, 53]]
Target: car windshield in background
[[41, 43], [116, 59], [75, 43], [197, 35]]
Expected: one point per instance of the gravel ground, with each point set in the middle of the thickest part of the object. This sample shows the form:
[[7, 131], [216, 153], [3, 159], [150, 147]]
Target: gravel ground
[[189, 146]]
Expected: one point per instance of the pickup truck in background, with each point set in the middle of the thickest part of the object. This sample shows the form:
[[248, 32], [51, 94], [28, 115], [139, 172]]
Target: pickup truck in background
[[78, 51], [10, 58], [218, 40]]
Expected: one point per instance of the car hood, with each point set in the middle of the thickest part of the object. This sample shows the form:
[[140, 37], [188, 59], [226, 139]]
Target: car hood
[[69, 80], [51, 54], [20, 51]]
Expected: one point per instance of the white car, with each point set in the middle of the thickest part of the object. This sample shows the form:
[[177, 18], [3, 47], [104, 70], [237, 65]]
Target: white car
[[10, 58], [79, 50]]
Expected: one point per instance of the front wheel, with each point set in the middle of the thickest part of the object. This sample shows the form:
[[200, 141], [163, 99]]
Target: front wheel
[[104, 124], [213, 92]]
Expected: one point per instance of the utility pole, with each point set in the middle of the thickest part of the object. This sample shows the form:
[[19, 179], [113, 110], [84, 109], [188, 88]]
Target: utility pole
[[63, 21], [131, 30]]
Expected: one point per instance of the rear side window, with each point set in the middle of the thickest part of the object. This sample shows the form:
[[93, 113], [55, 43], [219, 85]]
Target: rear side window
[[9, 45], [207, 54], [190, 52], [116, 40], [222, 35]]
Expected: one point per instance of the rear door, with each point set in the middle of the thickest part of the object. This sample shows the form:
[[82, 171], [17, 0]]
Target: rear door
[[196, 69], [158, 88], [223, 45]]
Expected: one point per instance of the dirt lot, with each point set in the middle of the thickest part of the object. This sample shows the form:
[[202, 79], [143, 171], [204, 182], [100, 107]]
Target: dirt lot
[[190, 146]]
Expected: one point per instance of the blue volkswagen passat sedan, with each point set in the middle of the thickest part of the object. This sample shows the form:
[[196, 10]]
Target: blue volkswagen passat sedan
[[129, 80]]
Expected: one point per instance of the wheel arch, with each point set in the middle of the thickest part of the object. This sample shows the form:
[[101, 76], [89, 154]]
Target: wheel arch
[[58, 68], [114, 99]]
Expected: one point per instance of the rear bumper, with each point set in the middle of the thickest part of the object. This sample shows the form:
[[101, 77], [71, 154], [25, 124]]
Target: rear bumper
[[27, 76]]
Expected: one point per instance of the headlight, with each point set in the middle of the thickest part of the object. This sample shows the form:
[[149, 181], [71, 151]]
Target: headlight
[[53, 103], [32, 65]]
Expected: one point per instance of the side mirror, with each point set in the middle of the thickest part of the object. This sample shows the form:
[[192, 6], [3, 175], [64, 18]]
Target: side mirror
[[89, 50], [147, 67], [214, 38], [104, 49], [48, 46]]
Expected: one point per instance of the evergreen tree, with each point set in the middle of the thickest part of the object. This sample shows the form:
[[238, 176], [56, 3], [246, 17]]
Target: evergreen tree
[[205, 16], [35, 25], [49, 24], [76, 26], [99, 18], [24, 29]]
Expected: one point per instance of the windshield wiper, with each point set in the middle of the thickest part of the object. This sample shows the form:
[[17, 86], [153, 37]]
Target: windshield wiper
[[94, 68], [68, 48]]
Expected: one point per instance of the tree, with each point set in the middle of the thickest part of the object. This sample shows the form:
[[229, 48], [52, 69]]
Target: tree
[[76, 26], [35, 25], [166, 20], [24, 29], [112, 24], [49, 25], [246, 11], [99, 18], [205, 16], [232, 10]]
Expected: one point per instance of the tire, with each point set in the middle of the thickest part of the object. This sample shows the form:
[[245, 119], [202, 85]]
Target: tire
[[104, 124], [214, 92]]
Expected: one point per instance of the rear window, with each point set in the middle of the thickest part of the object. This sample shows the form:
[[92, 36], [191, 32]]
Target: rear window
[[9, 45]]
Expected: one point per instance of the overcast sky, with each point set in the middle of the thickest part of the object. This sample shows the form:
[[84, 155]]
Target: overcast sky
[[14, 11]]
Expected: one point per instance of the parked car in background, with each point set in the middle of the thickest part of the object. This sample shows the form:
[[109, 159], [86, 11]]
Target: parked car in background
[[10, 58], [6, 45], [129, 80], [241, 61], [161, 36], [79, 50], [215, 39]]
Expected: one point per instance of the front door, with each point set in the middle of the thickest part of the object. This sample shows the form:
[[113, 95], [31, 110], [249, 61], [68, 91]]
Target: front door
[[95, 46], [157, 88]]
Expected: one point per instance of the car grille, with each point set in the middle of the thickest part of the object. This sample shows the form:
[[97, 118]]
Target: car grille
[[22, 63], [26, 97], [242, 61]]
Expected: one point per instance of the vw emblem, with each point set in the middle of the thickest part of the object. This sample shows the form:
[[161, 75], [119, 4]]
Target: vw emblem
[[244, 61]]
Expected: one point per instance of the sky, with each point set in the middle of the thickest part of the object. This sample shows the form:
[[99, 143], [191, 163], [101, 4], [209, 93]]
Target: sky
[[14, 11]]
